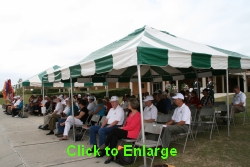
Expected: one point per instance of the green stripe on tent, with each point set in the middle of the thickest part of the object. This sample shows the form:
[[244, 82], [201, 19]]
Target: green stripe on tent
[[56, 67], [201, 60], [57, 75], [168, 45], [159, 70], [129, 71], [26, 84], [167, 78], [234, 62], [40, 76], [45, 78], [113, 46], [152, 56], [104, 64], [48, 84], [229, 53], [75, 70], [168, 33]]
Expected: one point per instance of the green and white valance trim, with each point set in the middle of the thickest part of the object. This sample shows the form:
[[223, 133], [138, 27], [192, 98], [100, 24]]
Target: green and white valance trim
[[160, 54]]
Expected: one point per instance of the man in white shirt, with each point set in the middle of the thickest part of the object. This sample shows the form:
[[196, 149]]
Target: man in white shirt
[[239, 101], [43, 102], [91, 105], [56, 114], [113, 120], [180, 120], [150, 111]]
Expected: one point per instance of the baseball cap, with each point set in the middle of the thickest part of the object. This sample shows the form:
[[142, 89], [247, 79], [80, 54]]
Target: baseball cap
[[79, 95], [14, 97], [178, 96], [114, 98], [17, 96], [148, 98]]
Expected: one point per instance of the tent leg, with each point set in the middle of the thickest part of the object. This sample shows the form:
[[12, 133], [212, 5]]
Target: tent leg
[[23, 102], [72, 108], [44, 104], [107, 90], [141, 108], [228, 119]]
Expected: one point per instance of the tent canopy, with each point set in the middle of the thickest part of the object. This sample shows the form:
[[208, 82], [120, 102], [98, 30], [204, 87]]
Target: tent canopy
[[36, 81], [162, 56]]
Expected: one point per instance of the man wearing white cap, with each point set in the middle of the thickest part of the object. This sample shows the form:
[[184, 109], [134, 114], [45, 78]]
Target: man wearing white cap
[[180, 120], [91, 105], [150, 111], [113, 120]]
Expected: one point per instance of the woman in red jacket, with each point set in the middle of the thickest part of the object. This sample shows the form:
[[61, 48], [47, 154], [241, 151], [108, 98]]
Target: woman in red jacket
[[130, 130], [194, 100]]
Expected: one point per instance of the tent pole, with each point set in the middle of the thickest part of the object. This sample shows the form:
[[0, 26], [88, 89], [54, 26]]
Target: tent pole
[[141, 108], [107, 88], [228, 119], [23, 102], [72, 106], [44, 104]]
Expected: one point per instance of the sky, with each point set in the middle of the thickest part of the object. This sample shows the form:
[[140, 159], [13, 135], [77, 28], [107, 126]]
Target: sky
[[35, 35]]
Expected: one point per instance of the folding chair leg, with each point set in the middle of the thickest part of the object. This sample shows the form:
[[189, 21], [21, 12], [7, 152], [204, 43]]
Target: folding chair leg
[[84, 134]]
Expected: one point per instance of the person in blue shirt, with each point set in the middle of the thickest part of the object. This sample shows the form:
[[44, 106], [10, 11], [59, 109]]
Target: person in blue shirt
[[60, 125], [16, 108]]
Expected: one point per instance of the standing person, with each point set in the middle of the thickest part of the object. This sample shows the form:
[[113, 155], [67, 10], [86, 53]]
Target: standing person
[[196, 87], [130, 130], [179, 122], [168, 87], [210, 87]]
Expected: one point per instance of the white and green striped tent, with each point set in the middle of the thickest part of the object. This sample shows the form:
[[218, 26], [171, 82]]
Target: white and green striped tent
[[162, 56], [151, 55], [36, 81]]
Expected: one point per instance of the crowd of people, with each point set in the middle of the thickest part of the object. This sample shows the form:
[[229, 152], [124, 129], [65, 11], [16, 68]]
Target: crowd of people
[[123, 120]]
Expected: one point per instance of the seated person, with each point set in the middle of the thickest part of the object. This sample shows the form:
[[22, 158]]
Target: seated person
[[15, 103], [113, 120], [130, 130], [79, 119], [66, 113], [54, 118], [194, 100], [168, 102], [239, 101], [206, 100], [98, 110], [107, 105], [150, 111], [161, 104], [91, 105], [56, 114], [179, 122], [16, 108]]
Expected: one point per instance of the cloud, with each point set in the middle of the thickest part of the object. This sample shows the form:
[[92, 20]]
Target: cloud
[[36, 35]]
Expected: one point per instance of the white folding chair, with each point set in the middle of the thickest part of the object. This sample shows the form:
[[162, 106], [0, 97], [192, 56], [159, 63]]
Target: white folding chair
[[218, 103], [208, 116], [152, 128]]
